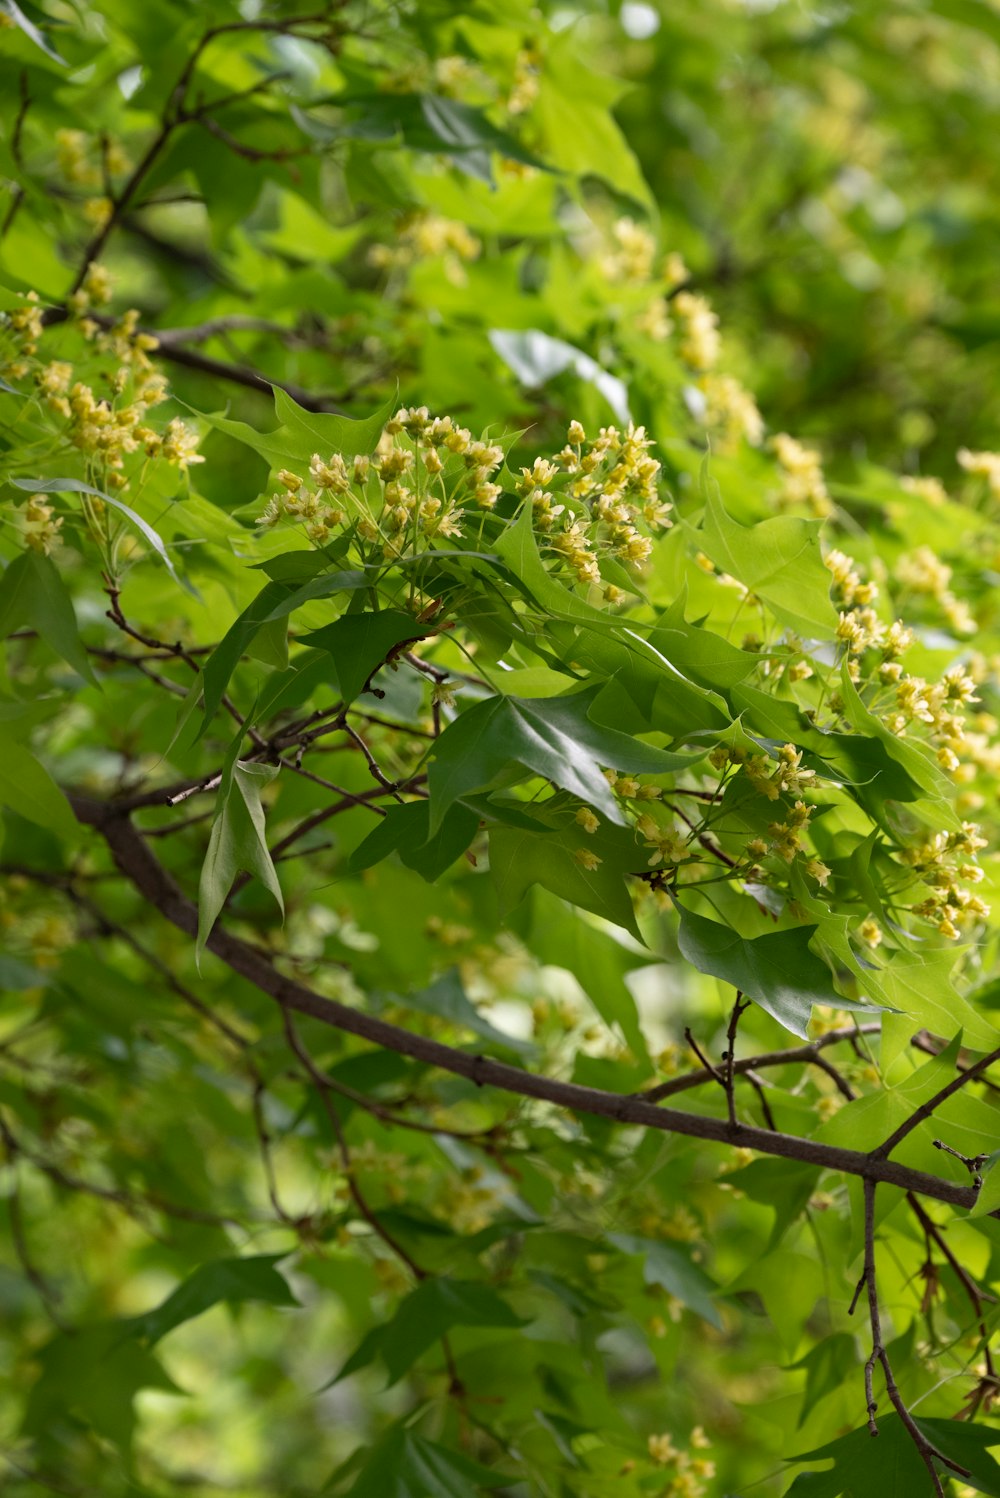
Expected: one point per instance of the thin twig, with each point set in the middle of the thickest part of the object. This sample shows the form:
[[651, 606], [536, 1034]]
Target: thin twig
[[789, 1057], [928, 1452], [925, 1110], [729, 1056], [357, 1195]]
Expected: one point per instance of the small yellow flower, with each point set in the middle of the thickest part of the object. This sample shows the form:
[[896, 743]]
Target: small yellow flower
[[662, 1449], [871, 932]]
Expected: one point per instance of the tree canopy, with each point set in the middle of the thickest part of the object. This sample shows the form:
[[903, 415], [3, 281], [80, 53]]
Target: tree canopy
[[499, 750]]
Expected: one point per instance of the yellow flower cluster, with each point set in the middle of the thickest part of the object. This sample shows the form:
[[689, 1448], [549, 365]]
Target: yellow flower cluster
[[700, 344], [663, 841], [24, 327], [947, 863], [524, 89], [982, 465], [802, 476], [654, 321], [633, 254], [427, 236], [454, 74], [95, 291], [467, 1202], [40, 526], [77, 163], [73, 158], [924, 573], [731, 412], [106, 430], [925, 487], [410, 491], [789, 776], [939, 707], [690, 1472], [848, 587], [616, 484], [429, 474]]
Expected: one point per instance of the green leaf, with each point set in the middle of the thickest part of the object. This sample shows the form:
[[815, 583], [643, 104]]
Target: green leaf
[[785, 1185], [13, 10], [28, 788], [668, 1266], [778, 559], [232, 1281], [361, 644], [294, 686], [304, 433], [554, 737], [702, 656], [919, 984], [447, 998], [559, 935], [75, 486], [661, 693], [325, 433], [237, 843], [918, 762], [518, 548], [521, 857], [427, 1314], [93, 1373], [33, 594], [405, 1465], [425, 122], [828, 1365], [581, 134], [274, 602], [406, 830], [875, 773], [17, 976], [779, 970], [891, 1467]]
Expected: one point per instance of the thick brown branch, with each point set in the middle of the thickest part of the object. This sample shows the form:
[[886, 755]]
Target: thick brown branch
[[137, 862]]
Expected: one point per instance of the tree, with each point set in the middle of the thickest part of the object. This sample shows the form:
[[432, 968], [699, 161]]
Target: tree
[[498, 963]]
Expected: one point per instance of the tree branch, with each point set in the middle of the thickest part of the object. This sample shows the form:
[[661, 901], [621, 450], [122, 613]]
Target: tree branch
[[138, 863]]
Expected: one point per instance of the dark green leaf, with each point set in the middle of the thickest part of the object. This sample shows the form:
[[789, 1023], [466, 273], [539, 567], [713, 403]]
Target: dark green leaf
[[447, 998], [237, 843], [361, 644], [554, 737], [33, 594], [891, 1467], [404, 1465], [28, 788], [405, 830], [428, 1313], [232, 1281], [779, 970], [668, 1266]]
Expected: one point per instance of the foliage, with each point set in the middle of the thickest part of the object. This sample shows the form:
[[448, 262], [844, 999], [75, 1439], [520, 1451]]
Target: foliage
[[441, 724]]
